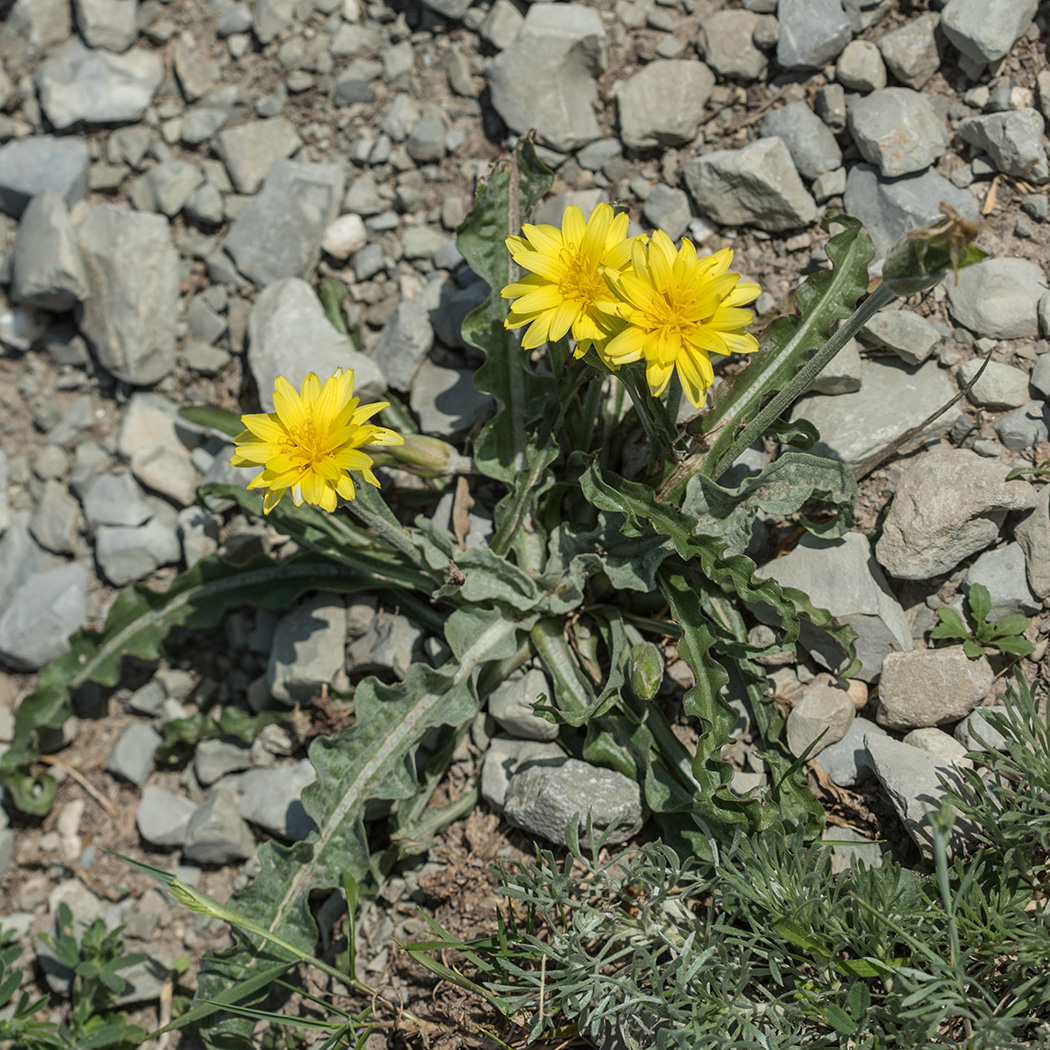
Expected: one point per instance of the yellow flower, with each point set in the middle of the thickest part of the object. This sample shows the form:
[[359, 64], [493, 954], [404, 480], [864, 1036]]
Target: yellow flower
[[312, 441], [678, 310], [566, 288]]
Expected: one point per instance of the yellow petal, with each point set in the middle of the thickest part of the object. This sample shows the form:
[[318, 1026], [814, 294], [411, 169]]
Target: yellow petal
[[572, 226]]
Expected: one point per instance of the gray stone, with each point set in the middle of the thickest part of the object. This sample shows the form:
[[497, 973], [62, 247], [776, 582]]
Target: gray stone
[[289, 335], [663, 103], [205, 323], [727, 47], [205, 206], [863, 14], [912, 778], [213, 759], [809, 140], [133, 280], [846, 761], [46, 266], [107, 23], [756, 185], [1032, 532], [501, 24], [446, 401], [504, 756], [388, 645], [667, 209], [547, 79], [890, 207], [842, 375], [195, 69], [31, 28], [217, 834], [949, 504], [976, 725], [307, 650], [278, 234], [422, 242], [1025, 427], [166, 471], [821, 717], [271, 799], [199, 124], [1000, 386], [115, 499], [1014, 141], [511, 705], [42, 162], [77, 85], [860, 67], [132, 756], [850, 850], [344, 236], [985, 30], [56, 519], [173, 183], [1002, 571], [911, 337], [841, 575], [854, 426], [20, 556], [1039, 380], [148, 700], [271, 17], [250, 150], [898, 129], [404, 343], [938, 743], [426, 140], [129, 553], [910, 52], [812, 32], [44, 610], [543, 799]]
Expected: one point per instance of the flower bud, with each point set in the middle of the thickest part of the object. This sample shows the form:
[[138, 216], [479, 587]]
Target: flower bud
[[426, 457], [923, 256], [646, 670]]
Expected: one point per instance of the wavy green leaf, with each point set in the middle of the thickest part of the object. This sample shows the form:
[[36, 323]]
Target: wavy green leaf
[[823, 298], [137, 624], [373, 760]]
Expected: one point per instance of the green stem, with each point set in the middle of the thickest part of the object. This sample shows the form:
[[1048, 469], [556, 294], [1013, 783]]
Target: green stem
[[800, 383]]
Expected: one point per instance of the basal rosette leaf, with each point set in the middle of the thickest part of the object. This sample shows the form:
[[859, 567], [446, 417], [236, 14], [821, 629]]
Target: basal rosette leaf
[[822, 299], [371, 761], [137, 625]]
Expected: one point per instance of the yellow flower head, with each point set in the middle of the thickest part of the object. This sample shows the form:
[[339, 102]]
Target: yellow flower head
[[566, 287], [678, 310], [312, 441]]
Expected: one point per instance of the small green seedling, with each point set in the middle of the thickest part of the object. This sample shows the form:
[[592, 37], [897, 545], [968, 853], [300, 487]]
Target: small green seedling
[[1007, 636]]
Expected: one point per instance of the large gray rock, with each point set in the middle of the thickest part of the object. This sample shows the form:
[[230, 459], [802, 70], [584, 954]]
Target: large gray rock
[[20, 556], [128, 553], [543, 798], [846, 761], [1025, 427], [910, 336], [132, 756], [404, 343], [46, 266], [41, 615], [547, 79], [132, 271], [1033, 534], [842, 576], [912, 779], [446, 400], [162, 816], [898, 129], [217, 833], [289, 335], [107, 23], [1000, 386], [949, 504], [31, 28], [853, 426], [272, 799], [42, 162], [998, 298], [890, 207], [504, 756], [756, 185], [278, 234], [860, 67], [250, 150], [1014, 141], [1002, 572], [985, 30], [930, 687], [511, 702], [307, 650], [663, 103], [812, 32], [809, 140], [910, 52], [96, 87], [726, 45], [822, 717]]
